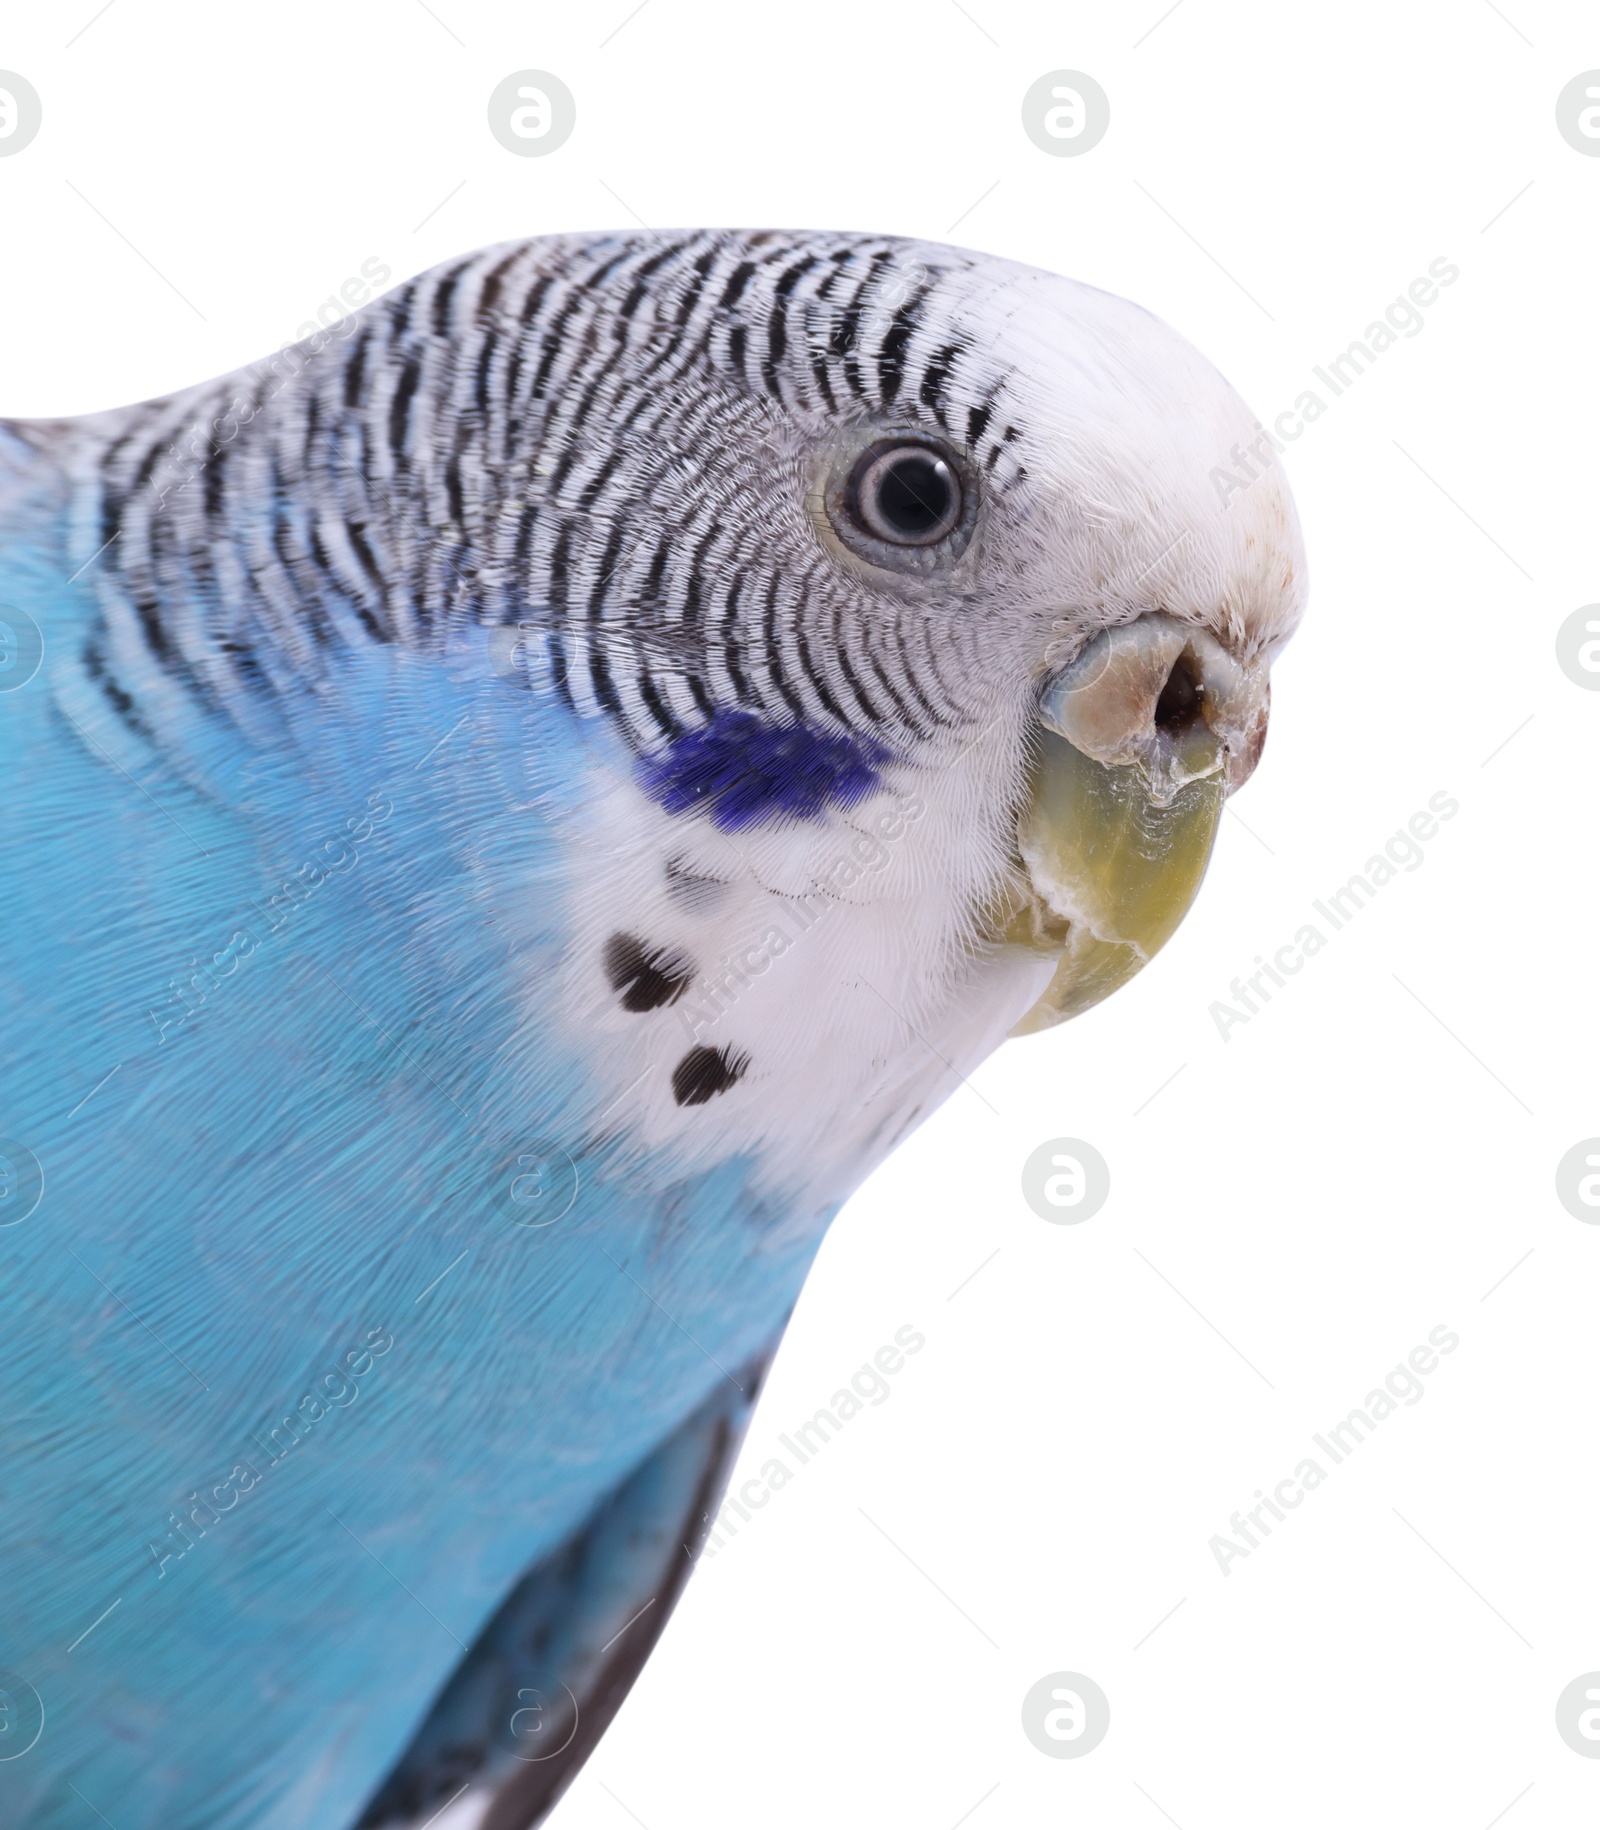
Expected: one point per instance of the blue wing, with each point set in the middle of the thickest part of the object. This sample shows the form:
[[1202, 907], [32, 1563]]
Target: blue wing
[[294, 1395], [525, 1708]]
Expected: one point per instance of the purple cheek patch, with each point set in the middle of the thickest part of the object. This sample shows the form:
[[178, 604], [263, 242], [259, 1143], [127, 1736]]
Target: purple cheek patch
[[744, 771]]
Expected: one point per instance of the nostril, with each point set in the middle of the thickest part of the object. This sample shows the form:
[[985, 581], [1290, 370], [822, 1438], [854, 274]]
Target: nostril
[[1179, 703], [1170, 701]]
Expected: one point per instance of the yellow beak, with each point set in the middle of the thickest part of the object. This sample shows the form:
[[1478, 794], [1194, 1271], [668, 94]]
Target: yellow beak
[[1136, 746]]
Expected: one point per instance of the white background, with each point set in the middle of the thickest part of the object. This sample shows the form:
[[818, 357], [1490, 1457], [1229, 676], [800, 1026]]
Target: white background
[[1365, 1159]]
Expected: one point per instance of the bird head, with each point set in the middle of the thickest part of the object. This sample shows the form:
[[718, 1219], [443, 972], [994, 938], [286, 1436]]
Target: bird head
[[888, 506], [790, 522]]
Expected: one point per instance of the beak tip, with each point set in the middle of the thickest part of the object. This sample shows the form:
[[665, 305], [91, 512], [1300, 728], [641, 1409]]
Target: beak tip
[[1111, 869]]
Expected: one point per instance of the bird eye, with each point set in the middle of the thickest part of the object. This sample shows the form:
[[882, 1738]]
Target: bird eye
[[907, 495], [902, 500]]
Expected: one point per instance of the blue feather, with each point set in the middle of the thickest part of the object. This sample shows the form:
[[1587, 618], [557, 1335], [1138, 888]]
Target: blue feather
[[265, 1036]]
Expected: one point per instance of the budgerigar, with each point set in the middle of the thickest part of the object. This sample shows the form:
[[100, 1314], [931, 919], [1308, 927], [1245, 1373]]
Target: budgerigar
[[513, 808]]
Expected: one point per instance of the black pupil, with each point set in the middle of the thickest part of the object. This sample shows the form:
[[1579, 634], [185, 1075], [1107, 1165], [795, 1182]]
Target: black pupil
[[914, 493]]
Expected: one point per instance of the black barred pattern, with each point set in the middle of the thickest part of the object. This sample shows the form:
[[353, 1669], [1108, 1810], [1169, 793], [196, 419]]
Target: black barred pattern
[[596, 436]]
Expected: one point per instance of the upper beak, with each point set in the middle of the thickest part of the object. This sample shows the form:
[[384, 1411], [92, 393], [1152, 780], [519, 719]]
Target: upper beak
[[1140, 740]]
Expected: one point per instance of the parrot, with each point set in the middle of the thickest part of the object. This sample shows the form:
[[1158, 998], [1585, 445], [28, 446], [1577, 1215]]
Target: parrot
[[516, 804]]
